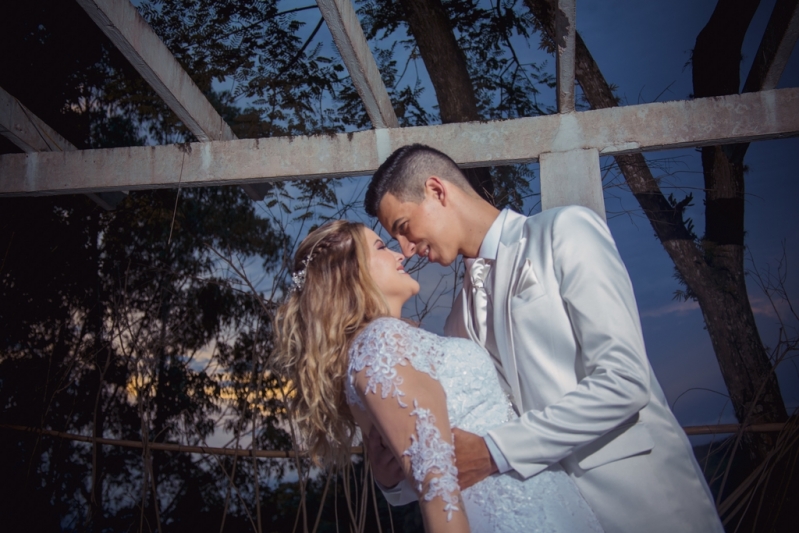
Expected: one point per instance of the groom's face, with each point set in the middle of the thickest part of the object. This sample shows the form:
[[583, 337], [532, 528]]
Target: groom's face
[[420, 228]]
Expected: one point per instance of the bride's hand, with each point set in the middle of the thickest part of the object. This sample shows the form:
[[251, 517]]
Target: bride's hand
[[385, 467], [472, 458]]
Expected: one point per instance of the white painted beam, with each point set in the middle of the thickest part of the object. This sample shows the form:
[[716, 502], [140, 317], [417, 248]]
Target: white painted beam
[[348, 35], [27, 131], [127, 29], [30, 134], [572, 178], [619, 130], [565, 39], [775, 48]]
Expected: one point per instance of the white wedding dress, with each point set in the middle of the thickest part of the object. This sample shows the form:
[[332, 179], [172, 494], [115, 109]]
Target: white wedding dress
[[547, 502]]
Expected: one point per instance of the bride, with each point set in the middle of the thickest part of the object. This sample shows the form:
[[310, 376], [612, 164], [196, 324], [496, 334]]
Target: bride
[[354, 361]]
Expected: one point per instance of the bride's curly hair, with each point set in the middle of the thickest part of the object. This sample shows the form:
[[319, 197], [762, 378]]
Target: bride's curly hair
[[314, 329]]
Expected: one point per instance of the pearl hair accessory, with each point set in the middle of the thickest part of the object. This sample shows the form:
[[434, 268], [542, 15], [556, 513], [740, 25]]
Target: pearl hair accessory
[[298, 277]]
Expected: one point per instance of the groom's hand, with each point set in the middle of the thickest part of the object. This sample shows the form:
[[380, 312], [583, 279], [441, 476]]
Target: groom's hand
[[472, 458], [385, 467]]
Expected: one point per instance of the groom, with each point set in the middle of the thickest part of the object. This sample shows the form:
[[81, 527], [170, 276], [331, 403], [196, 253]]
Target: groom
[[550, 299]]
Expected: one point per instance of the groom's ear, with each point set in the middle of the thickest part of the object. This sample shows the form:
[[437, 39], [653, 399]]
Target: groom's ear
[[436, 188]]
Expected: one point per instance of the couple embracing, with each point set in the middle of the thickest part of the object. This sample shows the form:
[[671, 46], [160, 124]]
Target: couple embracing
[[538, 412]]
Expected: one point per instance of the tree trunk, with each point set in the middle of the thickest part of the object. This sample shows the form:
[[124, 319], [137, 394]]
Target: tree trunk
[[446, 64], [713, 271], [745, 365]]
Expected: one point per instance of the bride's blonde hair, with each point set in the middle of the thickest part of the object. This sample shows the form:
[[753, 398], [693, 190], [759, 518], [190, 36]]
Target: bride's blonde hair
[[314, 329]]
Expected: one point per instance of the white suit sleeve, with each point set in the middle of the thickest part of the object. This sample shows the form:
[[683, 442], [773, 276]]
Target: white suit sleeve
[[401, 494], [597, 295], [396, 386]]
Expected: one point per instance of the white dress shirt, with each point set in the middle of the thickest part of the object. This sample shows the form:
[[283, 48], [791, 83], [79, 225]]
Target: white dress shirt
[[488, 250]]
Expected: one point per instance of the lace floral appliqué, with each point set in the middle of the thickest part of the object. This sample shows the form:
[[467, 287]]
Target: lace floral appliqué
[[384, 344], [431, 454]]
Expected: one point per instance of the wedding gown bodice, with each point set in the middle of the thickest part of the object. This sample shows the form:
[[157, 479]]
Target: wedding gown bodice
[[476, 403]]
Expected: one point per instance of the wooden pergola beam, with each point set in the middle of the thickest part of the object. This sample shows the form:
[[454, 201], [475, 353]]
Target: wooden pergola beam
[[31, 134], [27, 131], [775, 48], [165, 446], [137, 41], [716, 429], [348, 35], [127, 29], [277, 454], [620, 130], [565, 39]]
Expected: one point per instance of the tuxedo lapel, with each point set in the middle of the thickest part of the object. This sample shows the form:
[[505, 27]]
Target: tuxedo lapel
[[504, 278]]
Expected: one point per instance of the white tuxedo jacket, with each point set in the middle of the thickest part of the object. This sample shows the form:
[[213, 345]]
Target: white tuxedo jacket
[[570, 348]]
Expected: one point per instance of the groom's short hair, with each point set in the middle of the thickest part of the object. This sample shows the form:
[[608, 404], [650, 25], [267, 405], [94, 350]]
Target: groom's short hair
[[405, 172]]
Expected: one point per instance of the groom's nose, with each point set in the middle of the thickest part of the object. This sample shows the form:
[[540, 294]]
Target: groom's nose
[[407, 247]]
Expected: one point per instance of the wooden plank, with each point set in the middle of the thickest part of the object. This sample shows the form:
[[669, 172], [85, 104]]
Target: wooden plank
[[163, 446], [773, 427], [250, 452], [27, 131], [619, 130], [128, 30], [30, 133], [137, 41], [565, 39], [775, 48], [348, 35]]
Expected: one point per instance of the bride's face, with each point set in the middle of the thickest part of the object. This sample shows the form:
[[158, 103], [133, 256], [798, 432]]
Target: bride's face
[[385, 267]]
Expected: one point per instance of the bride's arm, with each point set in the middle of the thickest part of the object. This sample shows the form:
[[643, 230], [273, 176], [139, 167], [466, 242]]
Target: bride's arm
[[409, 409]]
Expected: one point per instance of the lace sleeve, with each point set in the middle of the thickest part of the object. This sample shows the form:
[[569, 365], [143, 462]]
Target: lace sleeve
[[392, 366], [384, 345]]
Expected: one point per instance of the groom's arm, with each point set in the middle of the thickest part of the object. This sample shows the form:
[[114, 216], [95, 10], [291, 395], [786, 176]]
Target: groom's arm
[[474, 459], [597, 295], [389, 477]]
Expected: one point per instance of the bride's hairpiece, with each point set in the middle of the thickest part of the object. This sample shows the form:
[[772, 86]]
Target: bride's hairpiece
[[298, 277]]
